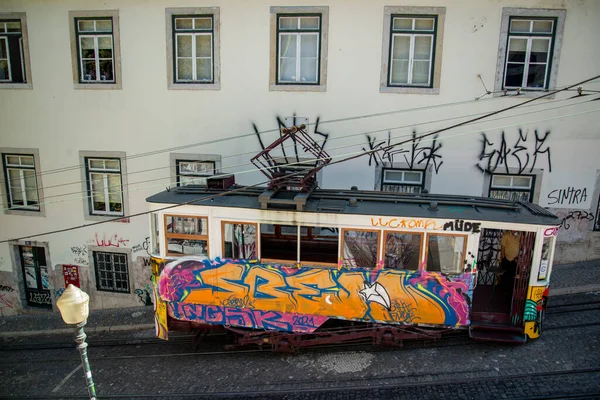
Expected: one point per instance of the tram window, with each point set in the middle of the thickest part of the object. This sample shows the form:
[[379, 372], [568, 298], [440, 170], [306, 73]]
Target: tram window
[[445, 253], [402, 250], [186, 235], [545, 260], [154, 232], [359, 248], [279, 242], [319, 244], [239, 240]]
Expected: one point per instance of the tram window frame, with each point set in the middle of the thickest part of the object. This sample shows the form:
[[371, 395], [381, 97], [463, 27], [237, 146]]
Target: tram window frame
[[419, 254], [311, 237], [343, 261], [256, 239], [187, 236], [462, 257], [276, 233]]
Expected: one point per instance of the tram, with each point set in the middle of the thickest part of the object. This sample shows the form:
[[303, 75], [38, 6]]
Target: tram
[[290, 265]]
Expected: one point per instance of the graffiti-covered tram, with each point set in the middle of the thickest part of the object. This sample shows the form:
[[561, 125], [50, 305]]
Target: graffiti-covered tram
[[289, 268]]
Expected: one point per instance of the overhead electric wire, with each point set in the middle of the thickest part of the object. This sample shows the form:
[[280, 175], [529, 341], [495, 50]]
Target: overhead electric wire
[[215, 141], [314, 160], [292, 146], [367, 152]]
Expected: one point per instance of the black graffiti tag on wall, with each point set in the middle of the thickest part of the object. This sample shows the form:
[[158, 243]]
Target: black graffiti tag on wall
[[575, 216], [414, 153], [296, 155], [524, 153], [570, 195]]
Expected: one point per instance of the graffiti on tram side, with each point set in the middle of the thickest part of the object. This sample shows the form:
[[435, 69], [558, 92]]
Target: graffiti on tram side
[[524, 153], [406, 223], [460, 225], [356, 294], [412, 152], [245, 317], [553, 231], [534, 310]]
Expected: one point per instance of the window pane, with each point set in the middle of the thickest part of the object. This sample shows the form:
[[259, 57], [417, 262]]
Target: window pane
[[400, 72], [308, 70], [402, 251], [16, 191], [106, 70], [501, 181], [26, 160], [510, 195], [309, 23], [520, 25], [86, 25], [539, 50], [423, 24], [422, 47], [308, 45], [188, 180], [403, 23], [240, 241], [191, 167], [393, 176], [536, 75], [287, 69], [516, 50], [13, 160], [445, 253], [30, 187], [204, 69], [203, 46], [95, 163], [287, 45], [522, 182], [288, 23], [13, 26], [184, 45], [104, 25], [3, 51], [401, 47], [98, 198], [87, 47], [184, 69], [321, 246], [420, 72], [412, 177], [4, 70], [111, 164], [187, 246], [514, 75], [360, 248], [202, 23], [89, 70], [114, 193], [542, 26], [183, 23], [105, 46]]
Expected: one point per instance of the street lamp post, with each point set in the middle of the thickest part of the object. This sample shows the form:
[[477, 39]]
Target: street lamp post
[[74, 309]]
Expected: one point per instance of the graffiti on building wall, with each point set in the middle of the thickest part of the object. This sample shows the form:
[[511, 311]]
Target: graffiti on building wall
[[4, 296], [574, 224], [142, 247], [574, 216], [525, 154], [568, 195], [414, 153], [358, 294], [113, 240], [296, 155], [80, 254], [597, 222], [144, 295]]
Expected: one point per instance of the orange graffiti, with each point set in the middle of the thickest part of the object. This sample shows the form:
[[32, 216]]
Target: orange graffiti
[[393, 223]]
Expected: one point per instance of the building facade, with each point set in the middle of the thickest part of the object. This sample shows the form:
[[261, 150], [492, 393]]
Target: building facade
[[105, 103]]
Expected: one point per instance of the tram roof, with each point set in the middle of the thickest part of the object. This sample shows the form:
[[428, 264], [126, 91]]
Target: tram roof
[[369, 203]]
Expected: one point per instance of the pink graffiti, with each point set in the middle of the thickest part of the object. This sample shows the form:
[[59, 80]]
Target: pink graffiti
[[113, 241], [4, 303], [551, 231]]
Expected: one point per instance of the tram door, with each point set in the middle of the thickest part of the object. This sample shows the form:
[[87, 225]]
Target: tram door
[[522, 274], [35, 276]]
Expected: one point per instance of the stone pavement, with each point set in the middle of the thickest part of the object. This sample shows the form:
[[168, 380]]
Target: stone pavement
[[565, 279]]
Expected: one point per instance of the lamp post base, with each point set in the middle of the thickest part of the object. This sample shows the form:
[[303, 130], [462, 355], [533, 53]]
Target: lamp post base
[[82, 347]]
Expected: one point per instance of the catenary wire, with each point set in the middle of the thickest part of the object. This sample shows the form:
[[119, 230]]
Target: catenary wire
[[202, 199], [129, 184], [214, 141]]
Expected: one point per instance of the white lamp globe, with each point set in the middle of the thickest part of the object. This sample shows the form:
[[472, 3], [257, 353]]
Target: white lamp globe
[[74, 305]]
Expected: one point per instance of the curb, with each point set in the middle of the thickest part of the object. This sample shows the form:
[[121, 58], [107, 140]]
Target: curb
[[68, 331]]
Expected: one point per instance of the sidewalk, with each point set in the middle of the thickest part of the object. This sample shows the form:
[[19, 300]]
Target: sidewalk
[[565, 279]]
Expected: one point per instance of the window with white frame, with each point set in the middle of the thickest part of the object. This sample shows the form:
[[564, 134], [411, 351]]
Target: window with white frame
[[529, 49], [21, 182], [412, 44], [402, 180], [512, 187], [528, 52], [94, 38], [12, 60], [105, 189], [112, 272], [298, 43], [193, 41], [192, 172]]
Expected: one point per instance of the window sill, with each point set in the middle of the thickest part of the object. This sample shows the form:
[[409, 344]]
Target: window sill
[[25, 213], [194, 86], [97, 86], [297, 88], [13, 85], [96, 217], [409, 90], [529, 94]]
